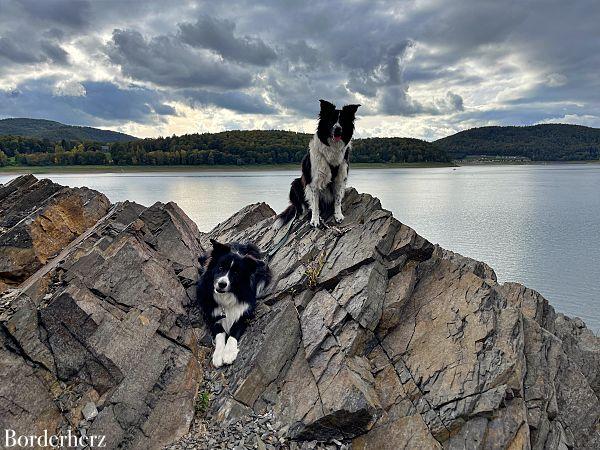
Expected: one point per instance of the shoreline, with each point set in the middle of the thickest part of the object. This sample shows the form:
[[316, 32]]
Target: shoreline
[[16, 170], [19, 170]]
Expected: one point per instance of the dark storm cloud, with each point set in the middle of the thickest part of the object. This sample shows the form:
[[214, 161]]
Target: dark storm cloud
[[102, 103], [55, 52], [299, 52], [466, 60], [74, 14], [218, 35], [166, 61], [232, 100], [13, 52]]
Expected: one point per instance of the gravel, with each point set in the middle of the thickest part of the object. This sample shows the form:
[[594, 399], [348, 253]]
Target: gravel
[[251, 431]]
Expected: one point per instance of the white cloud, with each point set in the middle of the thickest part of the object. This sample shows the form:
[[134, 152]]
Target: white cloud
[[69, 88], [575, 119]]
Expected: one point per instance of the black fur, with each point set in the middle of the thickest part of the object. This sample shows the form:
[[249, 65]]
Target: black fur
[[328, 116], [247, 272]]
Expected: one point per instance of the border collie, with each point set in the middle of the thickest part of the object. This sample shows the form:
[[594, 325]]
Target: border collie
[[233, 276], [324, 167]]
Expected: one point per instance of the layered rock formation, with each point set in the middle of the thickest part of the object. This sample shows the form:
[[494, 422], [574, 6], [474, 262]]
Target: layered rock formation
[[369, 336], [104, 324]]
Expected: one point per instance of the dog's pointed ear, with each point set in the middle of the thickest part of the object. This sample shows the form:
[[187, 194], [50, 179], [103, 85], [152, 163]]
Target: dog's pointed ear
[[350, 109], [218, 248], [251, 263], [326, 106]]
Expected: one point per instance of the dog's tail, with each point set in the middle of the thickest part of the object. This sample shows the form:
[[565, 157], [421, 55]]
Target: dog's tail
[[285, 216]]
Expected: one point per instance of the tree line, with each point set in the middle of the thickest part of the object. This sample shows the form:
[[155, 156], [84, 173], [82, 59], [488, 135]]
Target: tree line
[[225, 148], [545, 142]]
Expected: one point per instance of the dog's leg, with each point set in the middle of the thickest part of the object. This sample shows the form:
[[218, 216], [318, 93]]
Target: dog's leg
[[312, 197], [230, 351], [339, 191], [217, 358]]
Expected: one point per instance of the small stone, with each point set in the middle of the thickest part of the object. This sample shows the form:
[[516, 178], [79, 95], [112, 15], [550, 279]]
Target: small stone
[[260, 445], [89, 411]]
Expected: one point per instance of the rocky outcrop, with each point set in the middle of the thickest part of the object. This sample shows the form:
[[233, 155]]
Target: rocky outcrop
[[368, 336], [104, 325], [37, 220]]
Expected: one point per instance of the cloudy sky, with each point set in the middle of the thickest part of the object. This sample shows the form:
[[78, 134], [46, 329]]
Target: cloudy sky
[[420, 68]]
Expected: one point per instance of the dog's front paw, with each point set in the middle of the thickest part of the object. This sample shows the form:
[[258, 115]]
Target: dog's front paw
[[315, 222], [339, 217], [231, 350], [217, 358]]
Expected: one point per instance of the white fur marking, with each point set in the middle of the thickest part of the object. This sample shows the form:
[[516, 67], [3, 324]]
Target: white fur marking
[[231, 350], [217, 358], [230, 306]]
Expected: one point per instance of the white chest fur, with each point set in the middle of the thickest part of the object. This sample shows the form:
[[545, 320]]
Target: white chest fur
[[322, 157], [230, 307]]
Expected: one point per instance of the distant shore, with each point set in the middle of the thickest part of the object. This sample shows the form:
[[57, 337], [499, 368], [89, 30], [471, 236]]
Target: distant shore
[[8, 170], [181, 168], [521, 162]]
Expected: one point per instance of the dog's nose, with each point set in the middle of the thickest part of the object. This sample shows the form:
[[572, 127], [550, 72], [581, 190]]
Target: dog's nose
[[337, 131], [222, 284]]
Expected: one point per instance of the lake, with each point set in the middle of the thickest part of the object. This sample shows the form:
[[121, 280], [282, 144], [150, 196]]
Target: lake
[[535, 224]]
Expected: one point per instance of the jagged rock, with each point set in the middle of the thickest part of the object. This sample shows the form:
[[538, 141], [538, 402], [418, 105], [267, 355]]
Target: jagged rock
[[37, 220], [109, 320], [368, 336], [405, 344]]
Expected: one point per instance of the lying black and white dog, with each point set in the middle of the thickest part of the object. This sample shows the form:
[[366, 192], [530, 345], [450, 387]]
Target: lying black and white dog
[[324, 168], [233, 276]]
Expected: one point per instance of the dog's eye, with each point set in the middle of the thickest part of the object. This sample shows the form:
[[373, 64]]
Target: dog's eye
[[221, 268]]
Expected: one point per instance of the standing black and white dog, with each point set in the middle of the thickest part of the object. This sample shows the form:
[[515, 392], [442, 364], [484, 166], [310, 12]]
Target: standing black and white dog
[[227, 289], [324, 168]]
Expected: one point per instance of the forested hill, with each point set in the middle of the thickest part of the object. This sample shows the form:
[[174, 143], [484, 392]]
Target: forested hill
[[225, 148], [546, 142], [264, 147], [56, 131], [43, 142]]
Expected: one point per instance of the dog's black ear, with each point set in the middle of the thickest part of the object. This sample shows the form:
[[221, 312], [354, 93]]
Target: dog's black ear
[[351, 109], [218, 248], [326, 106], [251, 263]]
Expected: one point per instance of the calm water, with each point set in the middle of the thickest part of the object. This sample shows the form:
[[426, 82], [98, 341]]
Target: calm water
[[539, 225]]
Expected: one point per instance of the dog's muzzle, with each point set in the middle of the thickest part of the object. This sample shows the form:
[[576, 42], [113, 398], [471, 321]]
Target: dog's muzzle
[[337, 133]]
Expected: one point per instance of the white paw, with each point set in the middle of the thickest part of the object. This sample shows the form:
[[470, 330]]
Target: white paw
[[338, 216], [231, 351], [315, 221], [217, 358]]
